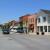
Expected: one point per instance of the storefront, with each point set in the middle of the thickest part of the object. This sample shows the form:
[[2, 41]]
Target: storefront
[[45, 29], [31, 28]]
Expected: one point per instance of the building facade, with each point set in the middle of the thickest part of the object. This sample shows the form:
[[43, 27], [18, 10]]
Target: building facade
[[24, 22], [29, 23], [32, 24], [43, 22]]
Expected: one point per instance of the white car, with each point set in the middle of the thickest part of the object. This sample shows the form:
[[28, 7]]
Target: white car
[[13, 29]]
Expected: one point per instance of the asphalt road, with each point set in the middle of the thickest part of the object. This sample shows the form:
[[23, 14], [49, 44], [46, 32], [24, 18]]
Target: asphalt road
[[24, 42]]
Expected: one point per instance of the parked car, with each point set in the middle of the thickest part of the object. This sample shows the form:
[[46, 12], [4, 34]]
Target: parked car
[[5, 31], [13, 29], [20, 31]]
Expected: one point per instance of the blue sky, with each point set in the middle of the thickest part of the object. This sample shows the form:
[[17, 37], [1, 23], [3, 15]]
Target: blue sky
[[13, 9]]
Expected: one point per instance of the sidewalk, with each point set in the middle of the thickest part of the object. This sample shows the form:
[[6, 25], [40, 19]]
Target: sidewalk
[[31, 36]]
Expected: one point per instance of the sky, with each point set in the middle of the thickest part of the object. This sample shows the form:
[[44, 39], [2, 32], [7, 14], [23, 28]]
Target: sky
[[13, 9]]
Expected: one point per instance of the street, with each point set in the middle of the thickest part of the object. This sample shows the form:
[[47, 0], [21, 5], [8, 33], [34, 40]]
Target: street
[[24, 42]]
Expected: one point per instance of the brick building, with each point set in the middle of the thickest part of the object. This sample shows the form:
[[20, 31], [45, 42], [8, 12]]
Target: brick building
[[28, 22], [24, 22], [32, 24]]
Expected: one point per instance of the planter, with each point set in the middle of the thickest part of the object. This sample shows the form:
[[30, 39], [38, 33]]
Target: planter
[[42, 33], [37, 33]]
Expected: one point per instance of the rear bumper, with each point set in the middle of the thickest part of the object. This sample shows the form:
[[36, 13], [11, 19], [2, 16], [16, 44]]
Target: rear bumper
[[5, 32]]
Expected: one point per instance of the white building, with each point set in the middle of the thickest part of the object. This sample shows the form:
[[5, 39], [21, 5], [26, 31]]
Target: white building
[[43, 22]]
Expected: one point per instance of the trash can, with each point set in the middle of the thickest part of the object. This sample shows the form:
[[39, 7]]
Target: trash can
[[37, 33]]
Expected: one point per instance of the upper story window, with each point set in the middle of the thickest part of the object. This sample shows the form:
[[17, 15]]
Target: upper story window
[[38, 19], [32, 20], [48, 19], [44, 19]]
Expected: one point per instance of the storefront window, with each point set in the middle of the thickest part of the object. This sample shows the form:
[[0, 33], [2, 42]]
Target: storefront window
[[41, 28], [45, 28], [48, 28]]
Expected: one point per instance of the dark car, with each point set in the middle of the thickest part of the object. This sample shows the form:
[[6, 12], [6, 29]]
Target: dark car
[[5, 31], [20, 31]]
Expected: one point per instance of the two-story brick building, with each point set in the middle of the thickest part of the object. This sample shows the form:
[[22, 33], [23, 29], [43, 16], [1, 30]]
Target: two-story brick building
[[28, 22], [32, 24], [24, 22]]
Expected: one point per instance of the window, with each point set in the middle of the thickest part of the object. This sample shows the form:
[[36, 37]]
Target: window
[[32, 19], [48, 28], [38, 19], [49, 19], [44, 19], [41, 28], [45, 28]]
